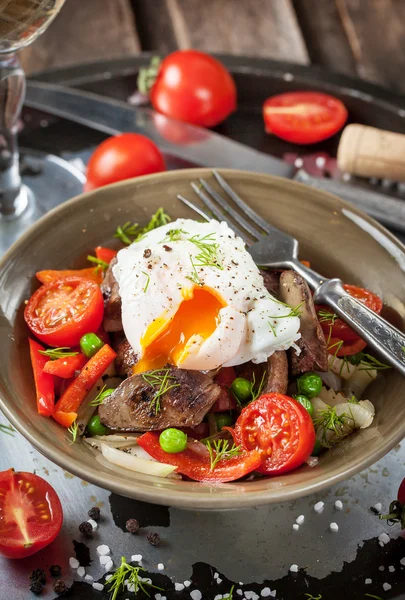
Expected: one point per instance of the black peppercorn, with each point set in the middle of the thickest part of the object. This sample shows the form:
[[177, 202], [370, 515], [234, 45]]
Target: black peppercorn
[[55, 570], [38, 575], [153, 538], [132, 526], [86, 529], [94, 513], [147, 253], [36, 587], [59, 587]]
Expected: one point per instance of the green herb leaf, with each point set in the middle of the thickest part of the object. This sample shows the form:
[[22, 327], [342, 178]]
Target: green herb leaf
[[128, 229], [173, 235], [7, 429], [273, 329], [97, 261], [132, 232], [98, 399], [74, 430], [294, 312], [221, 451], [161, 381], [195, 277], [329, 420], [324, 315], [127, 572], [370, 363], [55, 353], [311, 597], [208, 256], [147, 280], [373, 596]]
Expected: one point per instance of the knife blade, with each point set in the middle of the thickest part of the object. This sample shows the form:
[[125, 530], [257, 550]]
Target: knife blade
[[200, 146], [195, 144]]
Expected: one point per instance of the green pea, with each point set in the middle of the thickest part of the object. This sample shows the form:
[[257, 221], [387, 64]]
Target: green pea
[[223, 420], [306, 403], [355, 359], [90, 344], [173, 440], [241, 389], [95, 427], [309, 385], [318, 448]]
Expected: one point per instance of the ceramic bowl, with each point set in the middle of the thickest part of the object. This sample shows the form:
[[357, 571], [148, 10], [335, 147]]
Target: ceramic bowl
[[337, 239]]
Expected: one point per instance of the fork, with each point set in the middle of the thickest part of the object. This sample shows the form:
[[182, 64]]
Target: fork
[[273, 248]]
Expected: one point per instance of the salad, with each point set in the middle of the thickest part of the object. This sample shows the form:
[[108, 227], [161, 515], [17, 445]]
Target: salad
[[177, 356]]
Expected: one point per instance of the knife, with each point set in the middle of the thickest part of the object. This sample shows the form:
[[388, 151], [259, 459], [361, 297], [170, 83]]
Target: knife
[[195, 144]]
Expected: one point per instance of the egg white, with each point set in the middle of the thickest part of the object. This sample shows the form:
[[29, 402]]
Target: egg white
[[155, 275]]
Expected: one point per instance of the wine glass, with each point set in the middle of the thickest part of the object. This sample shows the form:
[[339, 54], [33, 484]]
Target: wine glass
[[24, 197]]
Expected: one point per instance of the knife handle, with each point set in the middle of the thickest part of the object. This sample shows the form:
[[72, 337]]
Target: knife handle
[[370, 152], [389, 211]]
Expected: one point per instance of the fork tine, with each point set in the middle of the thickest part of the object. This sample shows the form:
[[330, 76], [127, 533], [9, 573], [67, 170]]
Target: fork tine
[[228, 209], [218, 213], [193, 207], [245, 207]]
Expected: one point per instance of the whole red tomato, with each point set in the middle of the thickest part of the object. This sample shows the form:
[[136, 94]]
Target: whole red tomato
[[194, 87], [31, 514], [123, 157]]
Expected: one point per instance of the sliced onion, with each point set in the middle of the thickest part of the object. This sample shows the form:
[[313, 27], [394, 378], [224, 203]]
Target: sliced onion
[[118, 441], [331, 397], [134, 463], [330, 379], [341, 367], [360, 380], [359, 412]]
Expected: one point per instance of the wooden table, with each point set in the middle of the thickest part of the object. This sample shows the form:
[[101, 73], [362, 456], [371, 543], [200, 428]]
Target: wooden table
[[356, 37]]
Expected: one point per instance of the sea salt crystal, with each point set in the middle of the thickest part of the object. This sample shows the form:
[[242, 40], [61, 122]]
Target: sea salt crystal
[[294, 568], [299, 520], [402, 561], [239, 592], [103, 550], [92, 523], [391, 568], [383, 538], [81, 571], [109, 566], [187, 583], [161, 567], [368, 581], [339, 505], [318, 507], [265, 593], [334, 527], [98, 586], [73, 562], [320, 161], [88, 577], [251, 595], [273, 593], [386, 587], [298, 163], [136, 558], [296, 526], [196, 595], [219, 580], [104, 560], [218, 597], [178, 587], [382, 568], [131, 587], [378, 507], [216, 575]]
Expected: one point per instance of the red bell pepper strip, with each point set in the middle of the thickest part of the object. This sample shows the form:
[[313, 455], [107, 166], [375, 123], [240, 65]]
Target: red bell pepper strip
[[194, 461], [77, 391], [65, 367], [93, 273], [105, 254], [44, 384]]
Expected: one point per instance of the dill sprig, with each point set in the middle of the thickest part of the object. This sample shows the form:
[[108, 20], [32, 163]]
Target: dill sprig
[[373, 596], [128, 573], [294, 312], [7, 429], [229, 595], [208, 255], [337, 345], [97, 261], [273, 329], [323, 316], [256, 391], [370, 363], [221, 451], [173, 235], [147, 280], [194, 277], [132, 232], [329, 420], [55, 353], [99, 398], [74, 431], [161, 381], [311, 597]]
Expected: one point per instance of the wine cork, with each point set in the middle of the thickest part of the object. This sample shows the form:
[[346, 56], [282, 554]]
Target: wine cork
[[371, 152]]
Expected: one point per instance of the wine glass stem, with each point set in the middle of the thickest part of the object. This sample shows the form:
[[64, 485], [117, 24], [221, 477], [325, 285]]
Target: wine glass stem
[[12, 92]]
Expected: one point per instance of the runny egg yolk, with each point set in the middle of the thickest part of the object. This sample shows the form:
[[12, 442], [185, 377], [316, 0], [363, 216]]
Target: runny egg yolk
[[164, 341]]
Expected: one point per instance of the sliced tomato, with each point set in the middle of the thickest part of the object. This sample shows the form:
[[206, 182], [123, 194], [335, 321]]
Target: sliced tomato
[[44, 383], [65, 367], [31, 514], [342, 348], [337, 328], [105, 254], [59, 313], [226, 400], [194, 462], [93, 273], [280, 429], [304, 117]]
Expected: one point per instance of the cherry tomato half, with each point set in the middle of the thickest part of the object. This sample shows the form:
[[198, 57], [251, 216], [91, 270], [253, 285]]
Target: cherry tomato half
[[280, 429], [303, 117], [123, 157], [345, 348], [193, 86], [31, 514], [339, 329], [59, 313]]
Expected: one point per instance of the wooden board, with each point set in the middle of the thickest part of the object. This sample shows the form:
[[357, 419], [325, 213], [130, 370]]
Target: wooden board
[[85, 30]]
